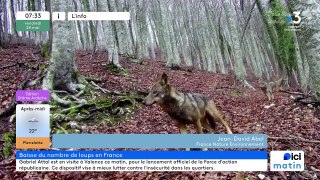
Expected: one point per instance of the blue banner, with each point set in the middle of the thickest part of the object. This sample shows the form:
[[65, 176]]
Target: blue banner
[[141, 154], [159, 141]]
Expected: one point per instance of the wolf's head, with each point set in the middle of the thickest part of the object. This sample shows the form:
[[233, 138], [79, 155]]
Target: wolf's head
[[158, 91]]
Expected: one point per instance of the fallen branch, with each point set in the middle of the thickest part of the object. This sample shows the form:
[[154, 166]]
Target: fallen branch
[[93, 79], [73, 107], [314, 103], [306, 101], [8, 65], [60, 91], [36, 81], [100, 88], [295, 93], [225, 87], [106, 90], [293, 139], [14, 64]]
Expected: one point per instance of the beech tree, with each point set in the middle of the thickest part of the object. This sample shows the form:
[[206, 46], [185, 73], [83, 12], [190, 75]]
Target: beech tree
[[62, 73]]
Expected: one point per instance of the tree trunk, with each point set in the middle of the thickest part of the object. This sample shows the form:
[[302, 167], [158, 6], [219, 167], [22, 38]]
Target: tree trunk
[[92, 28], [62, 73], [238, 55], [13, 19], [270, 29], [109, 32], [141, 30], [1, 34], [5, 22], [49, 42]]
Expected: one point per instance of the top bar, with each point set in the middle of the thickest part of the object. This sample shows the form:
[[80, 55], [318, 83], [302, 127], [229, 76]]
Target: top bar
[[97, 16]]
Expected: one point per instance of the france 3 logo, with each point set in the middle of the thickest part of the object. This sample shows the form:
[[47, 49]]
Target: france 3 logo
[[286, 161], [294, 21], [295, 18]]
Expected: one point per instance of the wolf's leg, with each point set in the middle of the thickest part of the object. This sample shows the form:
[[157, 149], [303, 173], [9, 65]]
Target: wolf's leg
[[204, 122], [199, 126], [214, 113], [182, 127]]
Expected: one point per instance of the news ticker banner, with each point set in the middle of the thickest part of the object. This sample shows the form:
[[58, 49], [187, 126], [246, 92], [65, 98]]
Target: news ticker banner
[[141, 160], [40, 20], [256, 141]]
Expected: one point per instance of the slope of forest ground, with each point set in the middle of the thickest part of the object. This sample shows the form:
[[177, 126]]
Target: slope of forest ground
[[244, 109]]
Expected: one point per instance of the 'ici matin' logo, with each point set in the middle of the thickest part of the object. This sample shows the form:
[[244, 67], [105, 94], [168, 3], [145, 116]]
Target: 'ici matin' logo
[[286, 161]]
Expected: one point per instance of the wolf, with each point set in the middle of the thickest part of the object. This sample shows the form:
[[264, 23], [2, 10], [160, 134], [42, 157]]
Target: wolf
[[269, 88], [185, 108]]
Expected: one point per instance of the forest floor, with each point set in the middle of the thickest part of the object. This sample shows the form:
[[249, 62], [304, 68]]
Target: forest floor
[[246, 111]]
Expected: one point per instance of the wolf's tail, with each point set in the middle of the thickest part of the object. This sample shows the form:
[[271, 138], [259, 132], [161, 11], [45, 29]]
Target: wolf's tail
[[214, 114]]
